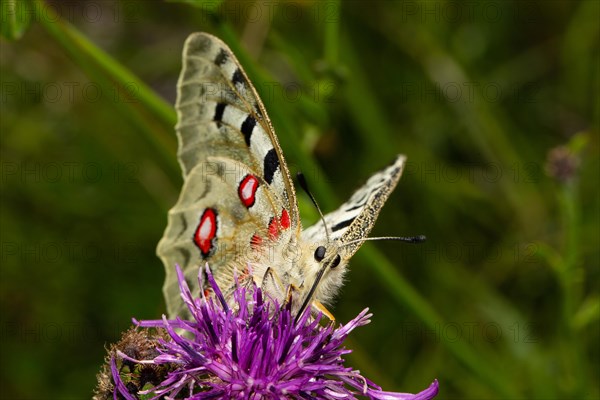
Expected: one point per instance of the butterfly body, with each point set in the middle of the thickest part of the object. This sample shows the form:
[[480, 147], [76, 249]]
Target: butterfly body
[[237, 210]]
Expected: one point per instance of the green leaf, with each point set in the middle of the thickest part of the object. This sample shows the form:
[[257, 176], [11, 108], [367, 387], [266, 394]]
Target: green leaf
[[15, 18]]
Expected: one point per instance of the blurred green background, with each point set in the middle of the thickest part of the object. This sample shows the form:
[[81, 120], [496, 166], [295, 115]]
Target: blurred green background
[[495, 103]]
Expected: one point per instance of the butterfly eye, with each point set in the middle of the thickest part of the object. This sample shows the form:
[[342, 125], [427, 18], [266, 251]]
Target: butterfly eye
[[320, 253], [336, 261]]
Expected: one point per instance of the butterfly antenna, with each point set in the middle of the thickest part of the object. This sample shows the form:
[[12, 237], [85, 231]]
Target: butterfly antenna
[[304, 186], [309, 296], [407, 239]]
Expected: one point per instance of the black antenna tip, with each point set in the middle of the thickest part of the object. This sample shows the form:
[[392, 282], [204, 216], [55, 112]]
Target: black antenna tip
[[418, 239], [302, 181]]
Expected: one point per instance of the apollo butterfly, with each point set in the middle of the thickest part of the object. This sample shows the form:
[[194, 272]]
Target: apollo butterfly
[[237, 210]]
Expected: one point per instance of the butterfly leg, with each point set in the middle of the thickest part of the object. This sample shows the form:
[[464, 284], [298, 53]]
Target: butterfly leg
[[291, 292], [319, 306], [271, 282]]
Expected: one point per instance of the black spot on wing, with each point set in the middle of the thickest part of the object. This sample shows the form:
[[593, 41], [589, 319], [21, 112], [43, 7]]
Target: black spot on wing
[[219, 110], [238, 77], [247, 128], [271, 165], [221, 57], [355, 207], [342, 224], [258, 110]]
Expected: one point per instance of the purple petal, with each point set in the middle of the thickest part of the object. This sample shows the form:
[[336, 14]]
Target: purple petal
[[215, 287], [426, 394], [258, 348], [120, 387]]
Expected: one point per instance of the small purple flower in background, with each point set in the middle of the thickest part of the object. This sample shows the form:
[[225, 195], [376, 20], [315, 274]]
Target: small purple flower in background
[[256, 351]]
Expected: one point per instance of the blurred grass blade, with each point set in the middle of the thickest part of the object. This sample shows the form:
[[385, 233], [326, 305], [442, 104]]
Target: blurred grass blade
[[332, 33], [143, 105], [15, 17], [205, 5], [588, 313], [405, 294]]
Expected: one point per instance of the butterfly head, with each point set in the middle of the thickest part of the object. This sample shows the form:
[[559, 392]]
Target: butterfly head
[[331, 270], [324, 270], [330, 259]]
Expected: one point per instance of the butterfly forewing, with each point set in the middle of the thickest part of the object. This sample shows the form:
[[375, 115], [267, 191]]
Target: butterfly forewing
[[220, 114], [354, 219]]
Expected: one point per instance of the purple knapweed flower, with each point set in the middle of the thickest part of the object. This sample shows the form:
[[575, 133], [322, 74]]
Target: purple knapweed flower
[[255, 351]]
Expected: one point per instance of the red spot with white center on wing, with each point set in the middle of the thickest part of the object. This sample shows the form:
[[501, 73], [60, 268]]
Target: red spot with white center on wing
[[206, 232], [247, 190]]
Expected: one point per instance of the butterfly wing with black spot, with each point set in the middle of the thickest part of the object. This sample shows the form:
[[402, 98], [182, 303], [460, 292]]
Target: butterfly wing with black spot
[[354, 219], [237, 189]]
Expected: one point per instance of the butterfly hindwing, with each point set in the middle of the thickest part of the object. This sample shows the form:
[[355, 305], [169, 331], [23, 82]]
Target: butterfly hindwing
[[222, 211]]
